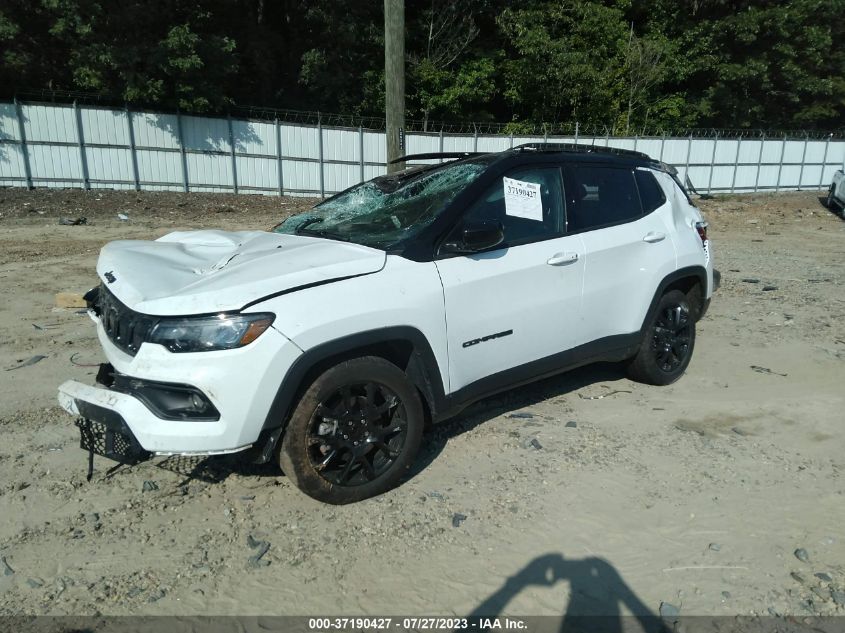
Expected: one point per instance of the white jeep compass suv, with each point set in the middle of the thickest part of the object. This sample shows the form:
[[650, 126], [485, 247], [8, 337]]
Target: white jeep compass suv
[[330, 343]]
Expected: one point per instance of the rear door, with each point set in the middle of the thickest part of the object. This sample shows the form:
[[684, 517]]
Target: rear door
[[624, 219], [518, 302]]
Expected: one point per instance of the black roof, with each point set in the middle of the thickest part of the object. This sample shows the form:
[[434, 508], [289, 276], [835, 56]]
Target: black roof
[[614, 154], [587, 149]]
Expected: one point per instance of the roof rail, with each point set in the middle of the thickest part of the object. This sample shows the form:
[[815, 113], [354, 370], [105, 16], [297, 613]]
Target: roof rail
[[587, 149], [453, 155]]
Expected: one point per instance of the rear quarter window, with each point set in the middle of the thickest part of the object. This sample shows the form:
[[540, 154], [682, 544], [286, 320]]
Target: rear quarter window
[[651, 193]]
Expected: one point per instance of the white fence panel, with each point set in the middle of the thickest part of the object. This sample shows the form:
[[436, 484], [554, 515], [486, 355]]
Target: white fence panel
[[49, 123], [209, 172], [12, 167], [104, 127], [301, 177], [675, 151], [9, 129], [257, 174], [375, 151], [726, 149], [252, 137], [452, 143], [492, 144], [749, 151], [650, 146], [109, 166], [200, 133], [423, 144], [94, 147], [341, 145], [160, 170], [300, 142], [768, 176], [57, 164], [745, 177], [156, 130], [339, 177]]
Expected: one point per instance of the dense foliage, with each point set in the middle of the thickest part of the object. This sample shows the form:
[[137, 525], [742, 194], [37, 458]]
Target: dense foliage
[[625, 63]]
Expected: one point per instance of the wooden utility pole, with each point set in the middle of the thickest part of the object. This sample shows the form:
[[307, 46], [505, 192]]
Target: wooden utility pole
[[394, 80]]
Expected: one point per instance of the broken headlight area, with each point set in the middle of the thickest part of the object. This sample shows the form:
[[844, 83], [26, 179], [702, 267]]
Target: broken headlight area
[[168, 401], [209, 333], [128, 329]]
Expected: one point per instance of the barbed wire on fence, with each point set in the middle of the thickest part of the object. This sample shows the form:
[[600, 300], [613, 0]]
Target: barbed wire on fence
[[312, 153], [422, 126]]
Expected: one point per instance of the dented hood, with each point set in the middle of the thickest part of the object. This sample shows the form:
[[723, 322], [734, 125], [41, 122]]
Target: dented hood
[[196, 272]]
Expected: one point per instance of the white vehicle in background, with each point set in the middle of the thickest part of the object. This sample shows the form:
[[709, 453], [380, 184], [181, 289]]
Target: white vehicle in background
[[330, 343], [836, 193]]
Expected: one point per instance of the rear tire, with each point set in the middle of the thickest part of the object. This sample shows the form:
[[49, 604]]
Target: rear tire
[[668, 343], [831, 200], [354, 433]]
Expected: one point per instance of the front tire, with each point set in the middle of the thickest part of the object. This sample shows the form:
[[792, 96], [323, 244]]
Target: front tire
[[667, 346], [831, 200], [354, 433]]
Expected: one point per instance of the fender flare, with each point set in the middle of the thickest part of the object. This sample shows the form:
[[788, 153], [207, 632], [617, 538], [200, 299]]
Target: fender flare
[[698, 272], [421, 369]]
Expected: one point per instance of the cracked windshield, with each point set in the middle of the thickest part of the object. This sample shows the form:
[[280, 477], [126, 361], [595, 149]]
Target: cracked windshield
[[384, 212]]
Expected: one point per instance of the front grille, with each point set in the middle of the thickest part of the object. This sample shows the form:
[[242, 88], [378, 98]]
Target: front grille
[[125, 328]]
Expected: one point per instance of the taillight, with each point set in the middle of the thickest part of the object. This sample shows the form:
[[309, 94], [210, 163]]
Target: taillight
[[701, 228]]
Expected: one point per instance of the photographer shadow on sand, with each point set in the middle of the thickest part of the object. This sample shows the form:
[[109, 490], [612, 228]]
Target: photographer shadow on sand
[[597, 595]]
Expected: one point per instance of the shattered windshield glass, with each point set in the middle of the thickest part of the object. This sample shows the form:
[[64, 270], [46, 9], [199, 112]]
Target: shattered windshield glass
[[387, 210]]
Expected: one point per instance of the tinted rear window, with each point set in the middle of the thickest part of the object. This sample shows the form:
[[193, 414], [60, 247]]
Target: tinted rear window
[[651, 194], [600, 196]]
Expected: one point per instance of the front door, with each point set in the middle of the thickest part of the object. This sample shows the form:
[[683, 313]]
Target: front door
[[518, 302]]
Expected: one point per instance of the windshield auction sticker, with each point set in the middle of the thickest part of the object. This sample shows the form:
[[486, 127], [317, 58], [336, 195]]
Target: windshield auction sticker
[[522, 199]]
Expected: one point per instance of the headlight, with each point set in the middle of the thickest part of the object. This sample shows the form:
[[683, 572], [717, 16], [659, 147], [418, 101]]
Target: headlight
[[205, 334]]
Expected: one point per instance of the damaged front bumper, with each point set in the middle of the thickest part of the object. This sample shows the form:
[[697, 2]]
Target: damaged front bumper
[[207, 403], [106, 410], [103, 432]]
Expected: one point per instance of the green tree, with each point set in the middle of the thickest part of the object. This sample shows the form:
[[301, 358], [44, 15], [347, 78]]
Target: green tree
[[127, 51], [565, 60], [343, 60], [753, 63], [630, 64], [449, 76]]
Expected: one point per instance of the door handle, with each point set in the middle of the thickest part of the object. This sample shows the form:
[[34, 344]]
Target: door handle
[[560, 259], [653, 237]]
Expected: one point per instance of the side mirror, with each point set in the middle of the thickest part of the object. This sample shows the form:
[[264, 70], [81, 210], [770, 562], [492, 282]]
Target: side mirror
[[474, 237]]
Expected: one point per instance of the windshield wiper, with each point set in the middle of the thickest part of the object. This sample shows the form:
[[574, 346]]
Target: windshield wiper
[[308, 222], [324, 233]]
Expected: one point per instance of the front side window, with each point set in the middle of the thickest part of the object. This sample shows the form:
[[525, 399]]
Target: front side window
[[528, 202], [386, 211], [600, 196]]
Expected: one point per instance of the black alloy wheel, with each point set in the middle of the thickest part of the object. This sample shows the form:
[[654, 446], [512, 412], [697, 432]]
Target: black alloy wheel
[[354, 433], [671, 337], [357, 433], [668, 341]]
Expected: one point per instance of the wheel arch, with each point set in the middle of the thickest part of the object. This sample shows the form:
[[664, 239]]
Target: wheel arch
[[691, 280], [404, 346]]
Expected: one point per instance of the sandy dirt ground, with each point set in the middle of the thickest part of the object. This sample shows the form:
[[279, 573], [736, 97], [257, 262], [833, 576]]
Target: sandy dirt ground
[[696, 495]]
